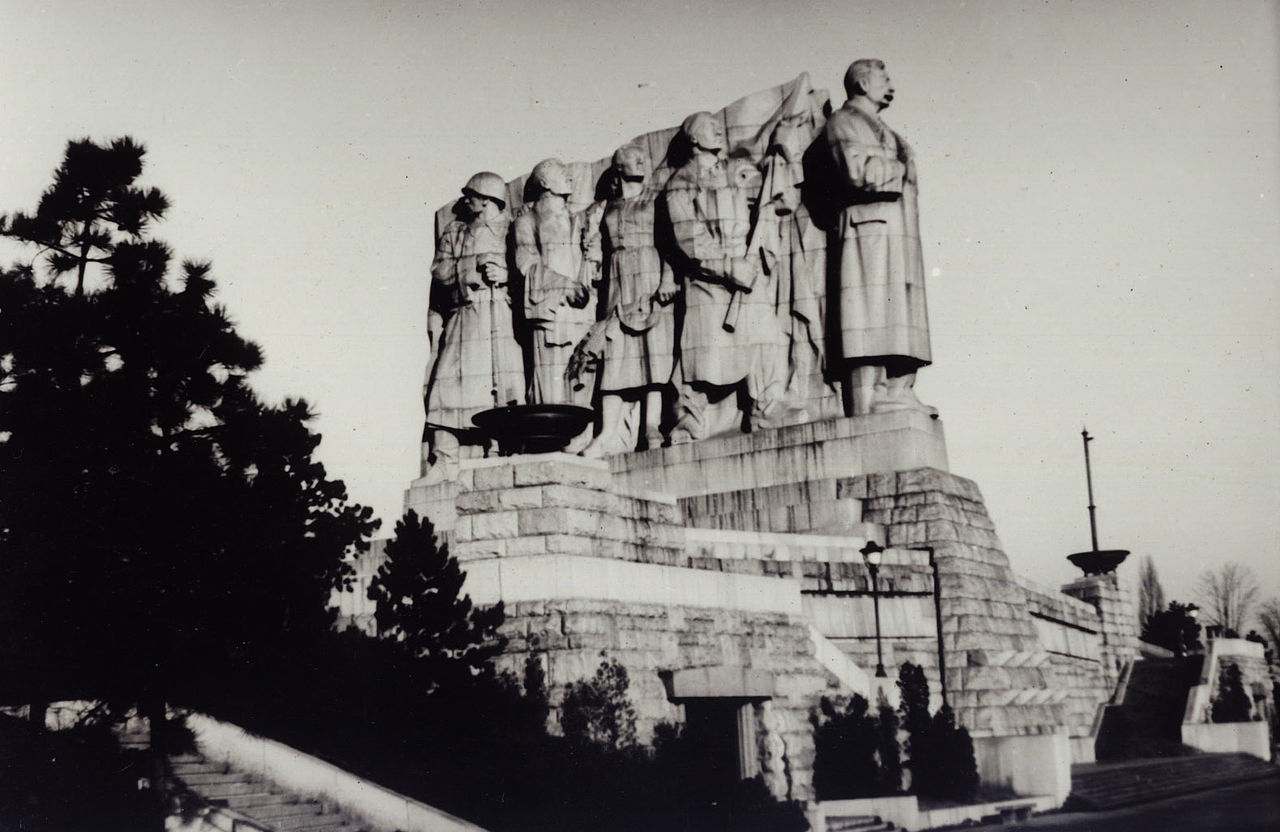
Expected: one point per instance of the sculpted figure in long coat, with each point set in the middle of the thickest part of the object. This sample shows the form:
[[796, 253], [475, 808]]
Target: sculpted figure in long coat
[[730, 333], [638, 327], [479, 364], [558, 280], [884, 326]]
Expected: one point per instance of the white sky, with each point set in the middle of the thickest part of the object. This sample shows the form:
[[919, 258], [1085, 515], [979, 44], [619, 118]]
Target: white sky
[[1099, 205]]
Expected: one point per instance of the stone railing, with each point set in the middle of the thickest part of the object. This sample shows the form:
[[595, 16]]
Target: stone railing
[[295, 771]]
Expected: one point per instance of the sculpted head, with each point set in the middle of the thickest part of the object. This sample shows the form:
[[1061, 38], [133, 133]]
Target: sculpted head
[[631, 163], [867, 78], [484, 192], [704, 131], [551, 176]]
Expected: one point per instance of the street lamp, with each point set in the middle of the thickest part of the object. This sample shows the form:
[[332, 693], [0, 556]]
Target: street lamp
[[871, 553]]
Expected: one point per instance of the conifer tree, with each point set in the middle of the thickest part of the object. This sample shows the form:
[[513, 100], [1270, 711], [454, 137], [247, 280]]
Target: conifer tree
[[420, 605], [160, 527]]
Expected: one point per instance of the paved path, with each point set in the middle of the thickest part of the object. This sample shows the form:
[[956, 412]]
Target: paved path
[[1247, 807]]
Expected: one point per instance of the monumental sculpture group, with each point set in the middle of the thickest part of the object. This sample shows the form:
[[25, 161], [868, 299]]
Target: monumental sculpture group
[[739, 304], [689, 298]]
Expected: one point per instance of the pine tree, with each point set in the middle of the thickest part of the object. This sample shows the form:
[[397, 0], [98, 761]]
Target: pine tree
[[160, 527], [598, 711], [420, 605]]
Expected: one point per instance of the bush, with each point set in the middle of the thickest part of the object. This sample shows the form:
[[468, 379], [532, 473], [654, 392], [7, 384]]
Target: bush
[[78, 778], [856, 754], [598, 711], [1232, 702], [940, 752]]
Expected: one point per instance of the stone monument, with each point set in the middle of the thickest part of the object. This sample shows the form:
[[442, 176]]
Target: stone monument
[[741, 301]]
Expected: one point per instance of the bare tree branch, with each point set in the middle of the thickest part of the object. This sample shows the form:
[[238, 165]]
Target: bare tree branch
[[1228, 595]]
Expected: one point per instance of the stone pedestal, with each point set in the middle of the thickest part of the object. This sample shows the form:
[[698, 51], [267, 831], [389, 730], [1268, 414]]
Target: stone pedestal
[[817, 451], [739, 556]]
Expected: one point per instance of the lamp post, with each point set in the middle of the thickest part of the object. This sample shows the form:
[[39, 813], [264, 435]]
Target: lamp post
[[871, 554]]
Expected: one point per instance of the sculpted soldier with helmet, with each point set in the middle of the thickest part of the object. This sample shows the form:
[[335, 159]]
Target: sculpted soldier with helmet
[[558, 279], [730, 337], [479, 364]]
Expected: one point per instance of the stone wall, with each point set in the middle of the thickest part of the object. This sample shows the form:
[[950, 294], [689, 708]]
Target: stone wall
[[1117, 616], [1070, 631], [999, 676], [572, 637]]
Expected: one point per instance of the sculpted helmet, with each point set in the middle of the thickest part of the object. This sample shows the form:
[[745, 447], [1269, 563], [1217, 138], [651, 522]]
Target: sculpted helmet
[[631, 162], [552, 176], [704, 131], [488, 185]]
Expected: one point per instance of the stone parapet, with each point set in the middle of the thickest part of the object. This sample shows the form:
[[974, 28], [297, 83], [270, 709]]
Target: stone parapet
[[811, 452]]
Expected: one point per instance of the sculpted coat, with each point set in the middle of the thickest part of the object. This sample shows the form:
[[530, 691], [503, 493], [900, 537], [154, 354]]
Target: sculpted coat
[[711, 221], [882, 298], [640, 352], [480, 364], [549, 242]]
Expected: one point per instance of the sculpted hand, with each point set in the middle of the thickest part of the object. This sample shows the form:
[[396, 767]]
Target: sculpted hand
[[667, 291], [578, 297], [494, 274]]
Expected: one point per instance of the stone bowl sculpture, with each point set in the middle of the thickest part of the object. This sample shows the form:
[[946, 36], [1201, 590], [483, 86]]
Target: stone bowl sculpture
[[533, 428], [1099, 561]]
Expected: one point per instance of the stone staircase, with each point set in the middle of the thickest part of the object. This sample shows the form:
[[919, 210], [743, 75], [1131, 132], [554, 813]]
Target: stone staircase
[[244, 802], [1148, 722], [1100, 786], [858, 823]]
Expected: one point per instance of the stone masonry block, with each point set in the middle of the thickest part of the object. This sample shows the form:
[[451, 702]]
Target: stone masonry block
[[564, 471], [479, 549], [527, 545], [851, 487], [574, 496], [499, 476], [477, 502], [529, 497], [495, 524], [568, 544]]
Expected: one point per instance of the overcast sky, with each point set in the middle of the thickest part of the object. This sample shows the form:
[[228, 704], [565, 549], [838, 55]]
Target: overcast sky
[[1099, 207]]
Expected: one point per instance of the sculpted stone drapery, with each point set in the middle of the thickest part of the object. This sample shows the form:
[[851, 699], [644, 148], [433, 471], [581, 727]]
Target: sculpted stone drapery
[[797, 252], [884, 326], [715, 258], [479, 364]]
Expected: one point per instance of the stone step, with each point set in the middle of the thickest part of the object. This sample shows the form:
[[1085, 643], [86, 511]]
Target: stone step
[[282, 811], [183, 768], [312, 823], [247, 802], [1113, 786], [857, 823], [214, 778], [219, 791], [339, 824]]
